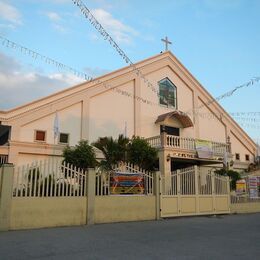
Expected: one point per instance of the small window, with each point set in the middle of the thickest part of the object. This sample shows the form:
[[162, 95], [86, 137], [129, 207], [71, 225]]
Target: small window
[[64, 138], [40, 136], [237, 156], [247, 157]]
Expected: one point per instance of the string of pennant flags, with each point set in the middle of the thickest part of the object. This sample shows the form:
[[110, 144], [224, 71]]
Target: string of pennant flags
[[246, 125], [247, 119], [251, 82], [244, 114], [36, 55], [107, 37], [49, 61]]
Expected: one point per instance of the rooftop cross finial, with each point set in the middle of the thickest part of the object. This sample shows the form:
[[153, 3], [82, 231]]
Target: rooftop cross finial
[[166, 43]]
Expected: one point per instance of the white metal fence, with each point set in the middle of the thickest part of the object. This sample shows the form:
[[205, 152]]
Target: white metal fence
[[105, 180], [187, 182], [243, 199], [49, 178]]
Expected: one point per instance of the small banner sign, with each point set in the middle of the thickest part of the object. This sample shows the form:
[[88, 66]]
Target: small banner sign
[[126, 183], [241, 187], [204, 149], [253, 187]]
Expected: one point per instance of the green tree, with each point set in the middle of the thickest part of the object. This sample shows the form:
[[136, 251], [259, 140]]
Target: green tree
[[82, 155], [136, 151], [139, 152], [234, 176], [114, 150]]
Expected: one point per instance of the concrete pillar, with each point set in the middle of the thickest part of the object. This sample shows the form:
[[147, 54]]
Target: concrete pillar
[[179, 192], [213, 191], [163, 139], [197, 188], [157, 193], [165, 168], [228, 192], [6, 193], [91, 193]]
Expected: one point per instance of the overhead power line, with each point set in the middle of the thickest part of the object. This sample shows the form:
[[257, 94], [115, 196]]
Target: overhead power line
[[107, 37], [49, 61]]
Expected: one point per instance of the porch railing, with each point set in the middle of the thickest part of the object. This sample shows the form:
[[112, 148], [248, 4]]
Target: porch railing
[[183, 143]]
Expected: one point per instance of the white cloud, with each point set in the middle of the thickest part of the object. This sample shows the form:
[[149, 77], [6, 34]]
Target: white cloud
[[60, 28], [122, 33], [53, 16], [56, 21], [10, 13], [18, 87]]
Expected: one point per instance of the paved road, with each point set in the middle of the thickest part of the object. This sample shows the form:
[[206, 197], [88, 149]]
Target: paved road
[[223, 237]]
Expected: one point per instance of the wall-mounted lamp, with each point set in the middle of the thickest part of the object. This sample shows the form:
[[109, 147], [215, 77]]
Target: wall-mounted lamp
[[168, 158]]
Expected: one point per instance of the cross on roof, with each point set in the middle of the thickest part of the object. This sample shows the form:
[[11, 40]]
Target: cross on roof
[[166, 43]]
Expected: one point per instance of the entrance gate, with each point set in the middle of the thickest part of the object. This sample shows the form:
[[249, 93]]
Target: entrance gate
[[194, 191]]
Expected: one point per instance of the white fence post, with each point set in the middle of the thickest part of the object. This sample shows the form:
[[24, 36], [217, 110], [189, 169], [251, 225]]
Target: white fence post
[[6, 193], [178, 192], [213, 189], [157, 193], [91, 192], [196, 176], [228, 192]]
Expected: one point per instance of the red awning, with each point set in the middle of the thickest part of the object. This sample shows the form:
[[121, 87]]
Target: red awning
[[182, 117]]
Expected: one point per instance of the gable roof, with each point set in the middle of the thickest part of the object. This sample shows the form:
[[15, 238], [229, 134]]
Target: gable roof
[[170, 59]]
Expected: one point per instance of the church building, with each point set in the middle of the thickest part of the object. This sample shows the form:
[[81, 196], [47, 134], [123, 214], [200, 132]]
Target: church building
[[156, 98]]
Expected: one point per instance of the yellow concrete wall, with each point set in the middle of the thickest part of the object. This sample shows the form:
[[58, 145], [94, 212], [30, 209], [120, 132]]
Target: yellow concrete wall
[[250, 207], [47, 212], [124, 208]]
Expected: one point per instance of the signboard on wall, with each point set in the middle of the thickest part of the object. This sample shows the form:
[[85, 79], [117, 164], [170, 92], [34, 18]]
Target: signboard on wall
[[126, 183], [204, 148]]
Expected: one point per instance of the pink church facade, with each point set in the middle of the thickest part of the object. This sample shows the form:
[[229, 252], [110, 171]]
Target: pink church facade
[[177, 118]]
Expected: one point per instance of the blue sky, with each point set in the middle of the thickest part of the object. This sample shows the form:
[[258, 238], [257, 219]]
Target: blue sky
[[217, 40]]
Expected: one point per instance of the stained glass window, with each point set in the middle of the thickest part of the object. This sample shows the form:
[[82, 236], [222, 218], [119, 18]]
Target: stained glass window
[[167, 92]]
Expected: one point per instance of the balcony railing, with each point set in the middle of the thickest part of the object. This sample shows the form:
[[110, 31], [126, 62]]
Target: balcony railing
[[3, 159], [185, 144]]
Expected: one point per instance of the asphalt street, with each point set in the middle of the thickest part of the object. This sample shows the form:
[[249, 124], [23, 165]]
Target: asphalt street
[[220, 237]]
